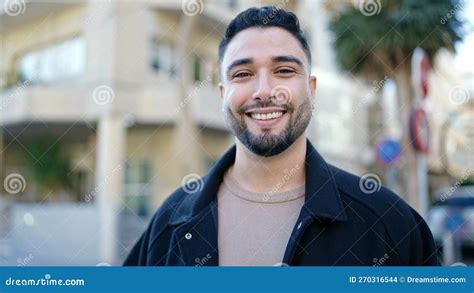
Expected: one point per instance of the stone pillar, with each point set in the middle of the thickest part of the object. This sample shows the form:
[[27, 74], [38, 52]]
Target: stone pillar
[[117, 37], [1, 159], [186, 133], [109, 178]]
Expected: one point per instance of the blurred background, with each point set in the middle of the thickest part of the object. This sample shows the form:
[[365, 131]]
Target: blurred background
[[106, 107]]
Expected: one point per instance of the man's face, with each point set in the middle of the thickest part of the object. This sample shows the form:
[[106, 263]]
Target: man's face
[[267, 90]]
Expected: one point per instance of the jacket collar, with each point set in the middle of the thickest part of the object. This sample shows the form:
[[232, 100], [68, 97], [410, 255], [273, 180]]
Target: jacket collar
[[322, 199]]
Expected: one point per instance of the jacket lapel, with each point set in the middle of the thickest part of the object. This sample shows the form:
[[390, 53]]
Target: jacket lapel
[[322, 201], [197, 238]]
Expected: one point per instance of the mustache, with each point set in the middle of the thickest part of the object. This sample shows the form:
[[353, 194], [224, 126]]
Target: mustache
[[265, 104]]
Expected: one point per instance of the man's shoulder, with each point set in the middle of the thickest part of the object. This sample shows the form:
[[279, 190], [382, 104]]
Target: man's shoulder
[[367, 201], [367, 196]]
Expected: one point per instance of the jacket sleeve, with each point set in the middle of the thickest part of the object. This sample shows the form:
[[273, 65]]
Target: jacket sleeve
[[138, 254], [141, 255], [423, 249], [410, 237]]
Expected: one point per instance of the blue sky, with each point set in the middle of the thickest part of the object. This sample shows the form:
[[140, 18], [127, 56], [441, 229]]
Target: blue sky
[[465, 54]]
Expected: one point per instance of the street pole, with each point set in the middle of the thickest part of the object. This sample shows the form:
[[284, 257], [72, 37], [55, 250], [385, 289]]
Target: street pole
[[423, 177], [419, 125]]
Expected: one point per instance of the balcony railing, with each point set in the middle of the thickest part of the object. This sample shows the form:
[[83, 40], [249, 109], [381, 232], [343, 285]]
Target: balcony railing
[[149, 103]]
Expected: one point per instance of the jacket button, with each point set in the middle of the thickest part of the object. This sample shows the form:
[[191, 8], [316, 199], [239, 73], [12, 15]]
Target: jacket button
[[188, 236], [299, 225]]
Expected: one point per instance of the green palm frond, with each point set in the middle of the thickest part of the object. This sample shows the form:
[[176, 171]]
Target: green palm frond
[[382, 41]]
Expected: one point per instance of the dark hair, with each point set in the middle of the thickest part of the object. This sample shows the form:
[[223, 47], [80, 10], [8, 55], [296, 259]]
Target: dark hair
[[267, 16]]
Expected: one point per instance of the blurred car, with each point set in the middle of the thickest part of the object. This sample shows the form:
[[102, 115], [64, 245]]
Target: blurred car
[[453, 212]]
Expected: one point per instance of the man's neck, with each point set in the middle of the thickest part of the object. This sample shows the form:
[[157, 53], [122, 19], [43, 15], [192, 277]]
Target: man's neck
[[278, 173]]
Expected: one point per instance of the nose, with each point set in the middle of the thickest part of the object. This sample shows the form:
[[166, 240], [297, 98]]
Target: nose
[[263, 88]]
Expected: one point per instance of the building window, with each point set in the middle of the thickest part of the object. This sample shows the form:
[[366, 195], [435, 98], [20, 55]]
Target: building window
[[137, 187], [205, 69], [232, 4], [163, 58], [63, 60], [197, 74], [81, 184]]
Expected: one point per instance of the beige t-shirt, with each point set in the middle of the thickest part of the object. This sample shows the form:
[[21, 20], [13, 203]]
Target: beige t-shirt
[[254, 228]]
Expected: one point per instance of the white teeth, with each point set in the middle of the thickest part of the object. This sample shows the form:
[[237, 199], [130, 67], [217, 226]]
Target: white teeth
[[266, 116]]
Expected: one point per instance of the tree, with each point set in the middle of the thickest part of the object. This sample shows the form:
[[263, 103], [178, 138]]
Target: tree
[[48, 164], [376, 39]]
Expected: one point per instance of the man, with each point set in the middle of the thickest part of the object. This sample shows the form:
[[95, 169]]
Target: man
[[272, 199]]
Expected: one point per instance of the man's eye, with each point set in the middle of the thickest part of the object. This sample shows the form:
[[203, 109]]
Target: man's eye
[[241, 75], [285, 71]]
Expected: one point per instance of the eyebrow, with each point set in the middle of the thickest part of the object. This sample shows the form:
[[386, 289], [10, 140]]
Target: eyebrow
[[288, 58], [281, 58], [238, 62]]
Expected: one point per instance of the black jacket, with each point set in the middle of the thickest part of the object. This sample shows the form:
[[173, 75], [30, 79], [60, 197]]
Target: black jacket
[[339, 224]]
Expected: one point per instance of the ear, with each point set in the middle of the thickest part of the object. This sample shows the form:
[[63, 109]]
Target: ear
[[221, 90], [313, 82]]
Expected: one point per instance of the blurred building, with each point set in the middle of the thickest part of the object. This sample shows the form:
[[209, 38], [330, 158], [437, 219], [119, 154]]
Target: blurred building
[[127, 92], [451, 108]]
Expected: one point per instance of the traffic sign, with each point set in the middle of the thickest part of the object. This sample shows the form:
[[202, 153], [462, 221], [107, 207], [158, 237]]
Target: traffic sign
[[388, 151], [419, 130], [420, 67]]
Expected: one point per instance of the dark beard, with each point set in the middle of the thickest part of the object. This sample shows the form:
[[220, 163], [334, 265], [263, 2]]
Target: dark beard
[[267, 144]]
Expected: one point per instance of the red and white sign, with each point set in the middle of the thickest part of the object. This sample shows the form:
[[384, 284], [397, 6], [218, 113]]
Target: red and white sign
[[419, 130], [420, 68]]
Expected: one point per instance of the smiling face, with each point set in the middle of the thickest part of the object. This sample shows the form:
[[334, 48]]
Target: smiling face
[[267, 90]]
